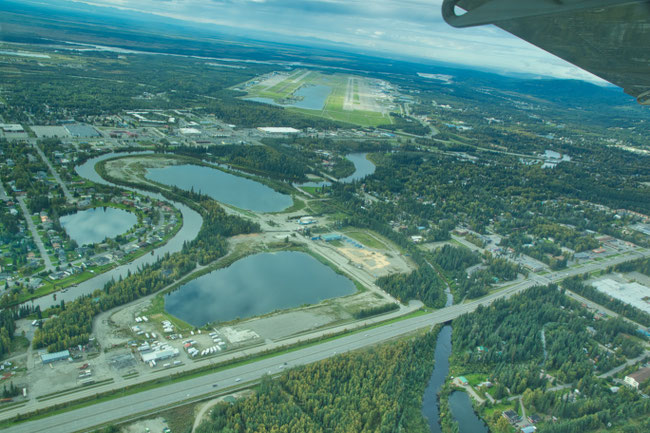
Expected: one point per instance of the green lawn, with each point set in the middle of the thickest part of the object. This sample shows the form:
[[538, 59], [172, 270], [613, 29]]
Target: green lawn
[[365, 238]]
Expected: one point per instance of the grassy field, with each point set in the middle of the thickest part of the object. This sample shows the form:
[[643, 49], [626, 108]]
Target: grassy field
[[284, 87], [362, 236]]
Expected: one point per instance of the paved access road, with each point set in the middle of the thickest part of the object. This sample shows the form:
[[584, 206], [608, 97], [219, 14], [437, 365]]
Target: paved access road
[[64, 188], [37, 238], [88, 417]]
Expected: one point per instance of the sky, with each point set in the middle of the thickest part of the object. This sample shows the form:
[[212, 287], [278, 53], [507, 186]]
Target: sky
[[392, 27]]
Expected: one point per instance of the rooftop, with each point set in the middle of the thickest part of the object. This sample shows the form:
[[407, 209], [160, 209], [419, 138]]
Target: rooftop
[[278, 130], [641, 375], [49, 357]]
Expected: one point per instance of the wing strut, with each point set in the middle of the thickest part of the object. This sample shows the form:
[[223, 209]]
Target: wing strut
[[494, 11]]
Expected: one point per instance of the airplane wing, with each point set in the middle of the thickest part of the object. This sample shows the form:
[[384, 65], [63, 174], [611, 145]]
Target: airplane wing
[[609, 38]]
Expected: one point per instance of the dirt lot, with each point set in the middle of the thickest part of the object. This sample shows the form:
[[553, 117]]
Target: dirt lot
[[154, 425], [133, 169], [203, 410], [286, 324]]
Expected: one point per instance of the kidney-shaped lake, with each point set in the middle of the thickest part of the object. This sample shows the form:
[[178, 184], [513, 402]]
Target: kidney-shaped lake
[[221, 186]]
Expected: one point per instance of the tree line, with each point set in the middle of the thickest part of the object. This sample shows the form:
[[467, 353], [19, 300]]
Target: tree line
[[374, 390]]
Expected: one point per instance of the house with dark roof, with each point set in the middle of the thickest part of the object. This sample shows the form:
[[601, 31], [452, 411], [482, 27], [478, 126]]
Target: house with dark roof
[[511, 416]]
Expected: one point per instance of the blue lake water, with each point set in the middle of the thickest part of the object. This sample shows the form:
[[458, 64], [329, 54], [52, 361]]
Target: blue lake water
[[221, 186], [313, 98], [430, 408], [363, 167], [192, 222], [94, 225], [459, 402], [463, 413], [256, 285]]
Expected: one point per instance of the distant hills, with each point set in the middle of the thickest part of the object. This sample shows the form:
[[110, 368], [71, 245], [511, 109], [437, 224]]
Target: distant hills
[[38, 23]]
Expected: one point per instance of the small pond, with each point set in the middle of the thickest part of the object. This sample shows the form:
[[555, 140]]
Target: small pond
[[94, 225], [221, 186], [363, 167], [256, 285], [463, 413]]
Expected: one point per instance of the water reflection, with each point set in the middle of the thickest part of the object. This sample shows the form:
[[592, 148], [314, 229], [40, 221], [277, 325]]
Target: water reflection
[[256, 285], [221, 186], [94, 225]]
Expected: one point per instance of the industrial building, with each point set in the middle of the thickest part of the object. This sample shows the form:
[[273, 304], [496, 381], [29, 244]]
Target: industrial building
[[164, 352], [11, 128], [82, 131], [278, 130], [48, 358], [531, 264], [634, 294]]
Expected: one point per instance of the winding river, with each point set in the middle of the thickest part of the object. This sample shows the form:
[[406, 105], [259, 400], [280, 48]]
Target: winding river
[[192, 222], [362, 167], [459, 402]]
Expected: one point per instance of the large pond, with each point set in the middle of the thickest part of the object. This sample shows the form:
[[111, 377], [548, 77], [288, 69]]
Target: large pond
[[94, 225], [313, 98], [221, 186], [256, 285]]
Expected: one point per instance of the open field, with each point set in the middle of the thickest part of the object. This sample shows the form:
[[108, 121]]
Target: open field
[[370, 240], [352, 99]]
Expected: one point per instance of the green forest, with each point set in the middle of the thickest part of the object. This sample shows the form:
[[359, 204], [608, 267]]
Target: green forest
[[374, 390], [538, 340]]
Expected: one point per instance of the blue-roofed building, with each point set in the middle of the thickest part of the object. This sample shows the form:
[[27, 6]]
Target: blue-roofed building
[[48, 358], [331, 237]]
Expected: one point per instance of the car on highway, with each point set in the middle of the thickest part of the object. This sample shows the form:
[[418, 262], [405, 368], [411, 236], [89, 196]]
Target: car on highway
[[238, 380], [214, 385]]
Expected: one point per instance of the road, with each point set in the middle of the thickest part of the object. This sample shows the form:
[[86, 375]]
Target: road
[[66, 192], [128, 406], [598, 307], [91, 416], [37, 238], [629, 362]]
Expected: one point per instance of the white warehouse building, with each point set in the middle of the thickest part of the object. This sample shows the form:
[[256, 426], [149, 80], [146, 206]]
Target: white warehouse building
[[160, 355]]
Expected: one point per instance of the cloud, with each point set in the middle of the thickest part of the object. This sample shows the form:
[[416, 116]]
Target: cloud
[[395, 27]]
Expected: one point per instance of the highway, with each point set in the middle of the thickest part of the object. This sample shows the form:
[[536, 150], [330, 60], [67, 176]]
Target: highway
[[86, 418]]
